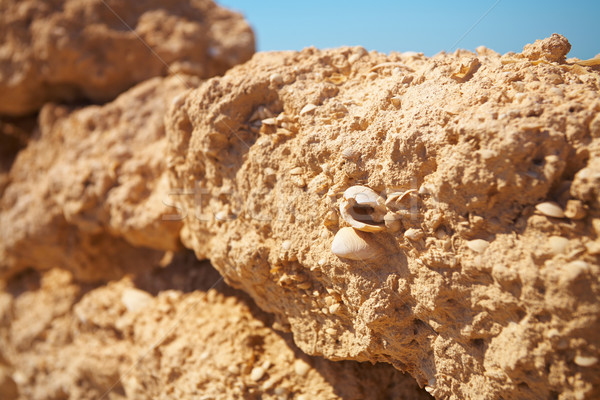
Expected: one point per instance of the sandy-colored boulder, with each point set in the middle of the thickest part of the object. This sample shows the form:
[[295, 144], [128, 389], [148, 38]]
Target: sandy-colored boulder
[[93, 50], [491, 295], [87, 193], [192, 337]]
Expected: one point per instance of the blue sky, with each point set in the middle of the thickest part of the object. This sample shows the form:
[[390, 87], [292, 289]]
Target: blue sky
[[424, 26]]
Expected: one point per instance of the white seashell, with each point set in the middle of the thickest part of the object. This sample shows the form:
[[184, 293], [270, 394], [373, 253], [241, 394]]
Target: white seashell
[[550, 209], [584, 361], [395, 198], [413, 234], [478, 245], [353, 245], [363, 209], [307, 108], [334, 308]]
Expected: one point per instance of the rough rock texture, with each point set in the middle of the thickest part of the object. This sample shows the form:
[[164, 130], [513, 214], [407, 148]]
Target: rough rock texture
[[165, 334], [14, 135], [87, 193], [67, 50], [486, 296]]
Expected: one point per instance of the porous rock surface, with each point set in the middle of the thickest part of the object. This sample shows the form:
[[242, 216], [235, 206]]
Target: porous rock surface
[[174, 332], [69, 50], [494, 293], [87, 193]]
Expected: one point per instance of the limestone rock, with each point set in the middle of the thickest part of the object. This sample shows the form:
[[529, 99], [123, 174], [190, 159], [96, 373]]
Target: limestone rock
[[87, 193], [190, 341], [506, 321], [71, 50]]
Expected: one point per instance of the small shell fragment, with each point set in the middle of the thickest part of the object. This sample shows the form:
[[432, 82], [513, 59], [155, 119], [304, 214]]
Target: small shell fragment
[[394, 199], [257, 374], [363, 209], [396, 101], [550, 209], [331, 331], [478, 245], [269, 121], [307, 108], [353, 245]]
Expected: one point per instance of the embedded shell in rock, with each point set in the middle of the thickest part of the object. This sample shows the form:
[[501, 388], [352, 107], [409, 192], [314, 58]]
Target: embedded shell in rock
[[354, 245], [363, 209]]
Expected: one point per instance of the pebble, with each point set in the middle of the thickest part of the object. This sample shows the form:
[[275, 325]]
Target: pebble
[[413, 234], [575, 209], [334, 308], [257, 374], [286, 245], [301, 368], [135, 299]]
